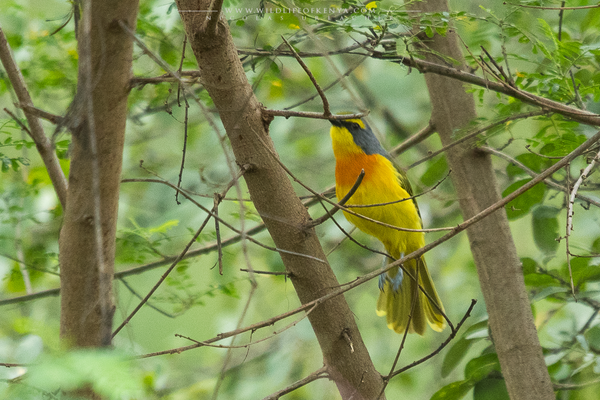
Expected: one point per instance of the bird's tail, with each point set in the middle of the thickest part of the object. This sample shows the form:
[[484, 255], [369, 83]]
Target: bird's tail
[[397, 305]]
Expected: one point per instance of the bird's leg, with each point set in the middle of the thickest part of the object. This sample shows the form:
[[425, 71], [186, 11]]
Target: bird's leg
[[383, 276], [397, 279]]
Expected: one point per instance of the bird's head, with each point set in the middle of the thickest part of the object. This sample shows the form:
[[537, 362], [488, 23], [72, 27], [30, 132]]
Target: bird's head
[[353, 136]]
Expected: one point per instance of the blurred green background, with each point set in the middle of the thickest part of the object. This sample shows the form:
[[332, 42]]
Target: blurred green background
[[196, 301]]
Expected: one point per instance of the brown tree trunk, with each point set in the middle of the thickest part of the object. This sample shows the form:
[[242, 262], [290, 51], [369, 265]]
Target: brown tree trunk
[[97, 122], [272, 193], [498, 266]]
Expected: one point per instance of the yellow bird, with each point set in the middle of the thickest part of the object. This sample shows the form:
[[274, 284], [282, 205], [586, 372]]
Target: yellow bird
[[356, 148]]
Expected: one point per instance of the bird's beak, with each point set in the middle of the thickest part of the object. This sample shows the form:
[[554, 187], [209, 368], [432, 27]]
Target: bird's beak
[[336, 122]]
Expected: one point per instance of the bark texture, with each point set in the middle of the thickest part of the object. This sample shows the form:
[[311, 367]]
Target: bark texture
[[498, 266], [284, 215], [97, 122]]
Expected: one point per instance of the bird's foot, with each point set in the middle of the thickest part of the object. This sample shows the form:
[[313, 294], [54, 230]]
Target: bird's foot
[[396, 281]]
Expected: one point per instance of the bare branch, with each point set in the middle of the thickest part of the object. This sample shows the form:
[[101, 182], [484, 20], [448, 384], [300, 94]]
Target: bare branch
[[318, 374], [43, 145], [529, 171], [572, 196], [552, 8], [326, 110]]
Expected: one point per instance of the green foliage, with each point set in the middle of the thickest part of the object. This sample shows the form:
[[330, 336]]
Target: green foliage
[[109, 373], [520, 206], [198, 302]]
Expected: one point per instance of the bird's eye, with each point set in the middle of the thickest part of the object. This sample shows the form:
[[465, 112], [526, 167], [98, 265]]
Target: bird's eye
[[355, 126]]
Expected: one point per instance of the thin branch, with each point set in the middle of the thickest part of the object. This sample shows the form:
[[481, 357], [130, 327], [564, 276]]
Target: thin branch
[[326, 110], [440, 347], [417, 253], [404, 336], [142, 81], [222, 221], [343, 201], [423, 66], [413, 140], [43, 145], [404, 199], [53, 118], [318, 374], [215, 9], [498, 67], [478, 131], [309, 114], [572, 196], [163, 277], [552, 8], [136, 294], [560, 19], [276, 273], [326, 88], [533, 174], [183, 151]]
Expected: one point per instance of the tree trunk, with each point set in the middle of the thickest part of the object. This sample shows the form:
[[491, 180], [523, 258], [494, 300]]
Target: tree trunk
[[498, 266], [97, 122], [272, 193]]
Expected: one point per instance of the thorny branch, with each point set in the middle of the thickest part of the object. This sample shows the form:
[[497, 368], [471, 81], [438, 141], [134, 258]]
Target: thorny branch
[[570, 211]]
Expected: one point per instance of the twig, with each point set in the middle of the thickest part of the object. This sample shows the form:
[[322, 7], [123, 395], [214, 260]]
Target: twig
[[417, 253], [141, 81], [343, 201], [318, 374], [309, 114], [185, 139], [560, 19], [478, 131], [528, 148], [230, 349], [136, 294], [440, 347], [326, 110], [404, 199], [326, 88], [43, 145], [533, 174], [222, 221], [405, 335], [498, 67], [218, 233], [413, 140], [552, 8], [215, 9], [578, 183], [277, 273], [163, 277], [55, 119]]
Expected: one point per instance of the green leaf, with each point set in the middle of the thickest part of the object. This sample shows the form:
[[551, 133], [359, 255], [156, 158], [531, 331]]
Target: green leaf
[[455, 355], [582, 271], [490, 389], [596, 246], [592, 336], [453, 391], [529, 265], [545, 228], [435, 172], [480, 367], [533, 161], [522, 204], [108, 372], [478, 330], [548, 291]]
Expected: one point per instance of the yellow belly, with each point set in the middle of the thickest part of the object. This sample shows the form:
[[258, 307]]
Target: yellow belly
[[380, 185]]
